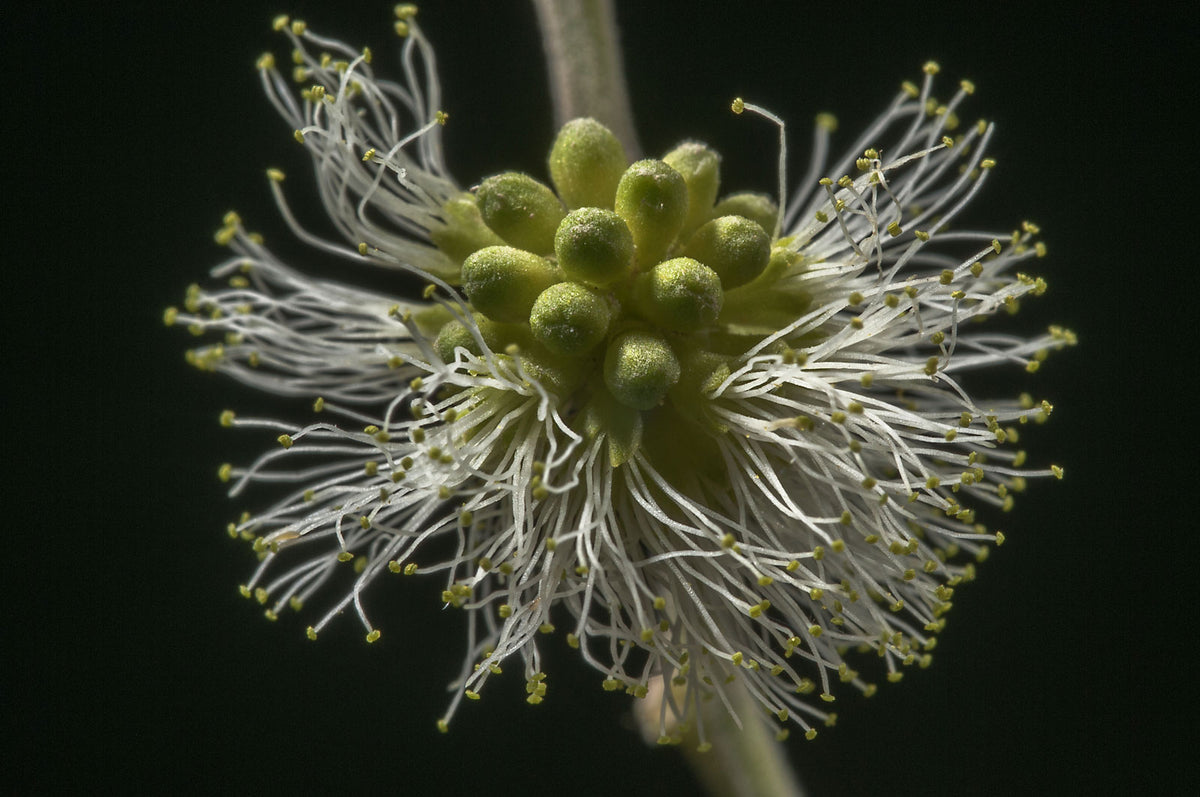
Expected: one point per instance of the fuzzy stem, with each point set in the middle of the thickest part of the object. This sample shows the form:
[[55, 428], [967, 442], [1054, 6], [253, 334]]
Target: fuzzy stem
[[743, 762], [583, 58]]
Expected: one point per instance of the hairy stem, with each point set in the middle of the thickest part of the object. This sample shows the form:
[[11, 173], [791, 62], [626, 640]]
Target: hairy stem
[[583, 58], [743, 762]]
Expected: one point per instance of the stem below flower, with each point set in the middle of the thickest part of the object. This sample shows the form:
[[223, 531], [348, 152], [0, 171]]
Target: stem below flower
[[743, 762], [584, 61]]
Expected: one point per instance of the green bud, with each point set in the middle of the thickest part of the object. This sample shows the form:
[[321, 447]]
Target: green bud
[[501, 336], [622, 425], [700, 373], [521, 210], [464, 231], [503, 282], [733, 246], [756, 207], [586, 163], [554, 372], [569, 319], [680, 294], [652, 198], [453, 335], [639, 369], [498, 337], [700, 168], [771, 301], [594, 246], [558, 374]]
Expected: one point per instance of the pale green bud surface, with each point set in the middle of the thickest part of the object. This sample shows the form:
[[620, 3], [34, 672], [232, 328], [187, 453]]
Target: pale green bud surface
[[700, 168], [681, 294], [733, 246], [621, 425], [454, 335], [465, 231], [593, 245], [639, 369], [498, 336], [520, 210], [503, 282], [569, 319], [586, 163], [652, 199], [756, 207], [700, 371]]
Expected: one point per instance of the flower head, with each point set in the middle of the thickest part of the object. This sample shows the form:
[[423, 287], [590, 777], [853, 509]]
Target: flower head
[[709, 439]]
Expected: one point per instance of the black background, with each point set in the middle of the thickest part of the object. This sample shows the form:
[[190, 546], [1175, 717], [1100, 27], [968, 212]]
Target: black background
[[134, 664]]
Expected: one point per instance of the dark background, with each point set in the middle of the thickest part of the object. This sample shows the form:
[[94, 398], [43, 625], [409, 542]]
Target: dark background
[[134, 664]]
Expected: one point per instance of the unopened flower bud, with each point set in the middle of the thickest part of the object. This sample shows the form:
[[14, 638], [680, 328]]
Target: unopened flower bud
[[455, 334], [756, 207], [700, 168], [639, 369], [594, 246], [568, 318], [586, 163], [452, 336], [733, 246], [652, 199], [521, 210], [464, 231], [503, 282], [680, 294]]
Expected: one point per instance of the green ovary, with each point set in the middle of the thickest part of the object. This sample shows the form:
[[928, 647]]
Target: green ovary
[[626, 290]]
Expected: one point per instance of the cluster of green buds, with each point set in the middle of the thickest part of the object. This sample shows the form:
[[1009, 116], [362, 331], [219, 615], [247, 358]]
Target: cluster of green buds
[[628, 287]]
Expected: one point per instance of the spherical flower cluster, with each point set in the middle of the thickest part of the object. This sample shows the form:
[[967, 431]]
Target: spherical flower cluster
[[712, 440]]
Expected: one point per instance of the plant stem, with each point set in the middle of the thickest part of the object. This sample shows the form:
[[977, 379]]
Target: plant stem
[[583, 58], [743, 762]]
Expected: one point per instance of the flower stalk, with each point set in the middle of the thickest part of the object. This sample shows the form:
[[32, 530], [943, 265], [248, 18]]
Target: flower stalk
[[583, 58], [734, 760]]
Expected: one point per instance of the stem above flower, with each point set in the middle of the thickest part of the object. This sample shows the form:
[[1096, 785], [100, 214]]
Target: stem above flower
[[583, 58]]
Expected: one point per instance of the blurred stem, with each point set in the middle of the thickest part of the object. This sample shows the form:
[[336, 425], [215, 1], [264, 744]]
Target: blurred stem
[[743, 762], [583, 57]]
